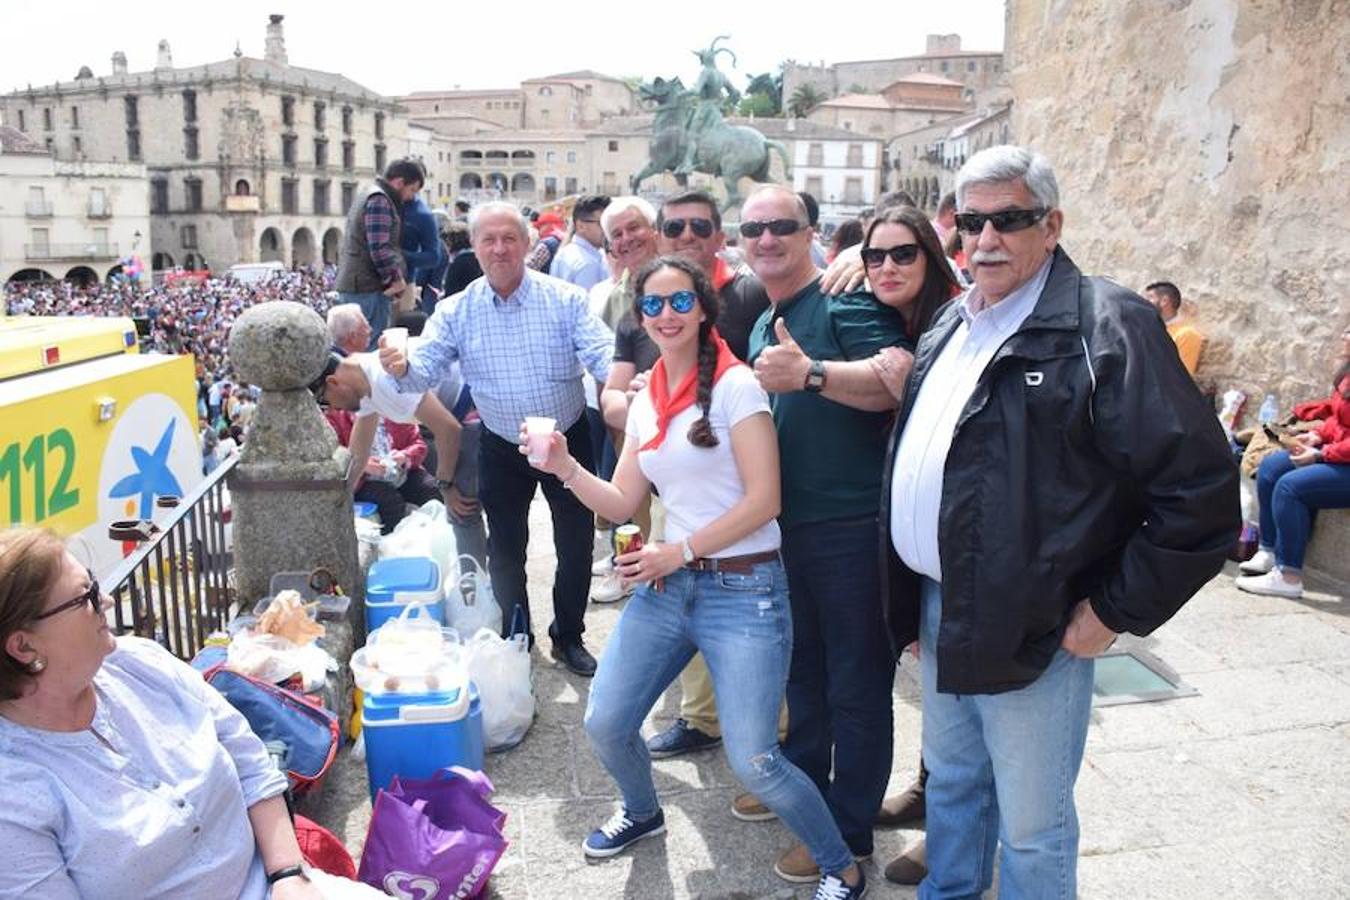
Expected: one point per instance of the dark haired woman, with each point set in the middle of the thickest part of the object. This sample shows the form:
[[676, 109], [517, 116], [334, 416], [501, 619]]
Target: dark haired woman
[[701, 433], [907, 271]]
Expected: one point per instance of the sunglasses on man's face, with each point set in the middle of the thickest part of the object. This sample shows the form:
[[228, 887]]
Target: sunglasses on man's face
[[680, 301], [673, 228], [775, 227], [900, 254], [1004, 221], [92, 596]]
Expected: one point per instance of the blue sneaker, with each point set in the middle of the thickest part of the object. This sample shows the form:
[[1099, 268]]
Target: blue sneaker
[[614, 836], [832, 887], [679, 738]]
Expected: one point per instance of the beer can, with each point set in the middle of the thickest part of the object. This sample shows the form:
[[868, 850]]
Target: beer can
[[627, 538]]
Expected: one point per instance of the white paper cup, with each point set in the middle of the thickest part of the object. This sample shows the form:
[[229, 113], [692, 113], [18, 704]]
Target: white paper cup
[[397, 338], [538, 436]]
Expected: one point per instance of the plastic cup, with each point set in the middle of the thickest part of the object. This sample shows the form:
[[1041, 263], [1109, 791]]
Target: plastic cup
[[538, 436], [397, 338]]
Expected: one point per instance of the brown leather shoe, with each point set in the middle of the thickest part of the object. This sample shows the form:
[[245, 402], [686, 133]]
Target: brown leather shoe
[[906, 807], [909, 867], [797, 866], [747, 808]]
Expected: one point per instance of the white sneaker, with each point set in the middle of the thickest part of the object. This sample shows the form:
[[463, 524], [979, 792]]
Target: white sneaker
[[1271, 584], [603, 567], [608, 590], [1261, 563]]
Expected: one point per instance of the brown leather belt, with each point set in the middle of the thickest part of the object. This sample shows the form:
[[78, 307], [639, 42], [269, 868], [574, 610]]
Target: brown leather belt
[[740, 565]]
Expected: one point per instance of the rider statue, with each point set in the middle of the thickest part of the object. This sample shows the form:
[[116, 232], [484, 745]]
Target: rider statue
[[710, 90]]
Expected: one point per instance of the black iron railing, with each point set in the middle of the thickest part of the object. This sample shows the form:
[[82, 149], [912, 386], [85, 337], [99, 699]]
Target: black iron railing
[[176, 588]]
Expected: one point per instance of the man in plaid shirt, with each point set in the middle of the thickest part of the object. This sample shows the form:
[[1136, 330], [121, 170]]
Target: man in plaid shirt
[[521, 339], [372, 269]]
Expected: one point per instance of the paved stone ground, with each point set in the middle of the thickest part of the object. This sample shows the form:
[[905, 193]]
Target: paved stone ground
[[1241, 791]]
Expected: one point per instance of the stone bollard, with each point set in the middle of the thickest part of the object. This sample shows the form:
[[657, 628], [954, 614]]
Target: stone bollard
[[292, 508]]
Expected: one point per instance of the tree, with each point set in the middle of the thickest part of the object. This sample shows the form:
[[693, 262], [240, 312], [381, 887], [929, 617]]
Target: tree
[[769, 86], [761, 106], [804, 99]]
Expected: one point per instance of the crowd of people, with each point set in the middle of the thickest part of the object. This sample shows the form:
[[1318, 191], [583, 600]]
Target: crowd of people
[[950, 442]]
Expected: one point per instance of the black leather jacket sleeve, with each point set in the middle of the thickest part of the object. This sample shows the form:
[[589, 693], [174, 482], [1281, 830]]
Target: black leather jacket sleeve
[[1153, 426]]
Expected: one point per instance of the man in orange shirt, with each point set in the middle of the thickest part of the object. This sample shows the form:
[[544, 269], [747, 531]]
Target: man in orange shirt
[[1166, 299]]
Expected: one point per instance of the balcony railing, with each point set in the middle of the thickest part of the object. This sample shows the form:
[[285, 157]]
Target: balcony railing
[[99, 209], [176, 587], [89, 250], [38, 209]]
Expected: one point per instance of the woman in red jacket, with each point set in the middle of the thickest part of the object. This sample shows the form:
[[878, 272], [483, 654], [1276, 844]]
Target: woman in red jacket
[[1294, 484]]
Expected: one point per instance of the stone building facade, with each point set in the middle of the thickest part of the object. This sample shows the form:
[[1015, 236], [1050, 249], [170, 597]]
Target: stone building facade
[[248, 159], [981, 72], [67, 219], [1194, 143]]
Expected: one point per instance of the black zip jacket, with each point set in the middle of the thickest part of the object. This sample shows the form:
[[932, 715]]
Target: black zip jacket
[[1086, 464]]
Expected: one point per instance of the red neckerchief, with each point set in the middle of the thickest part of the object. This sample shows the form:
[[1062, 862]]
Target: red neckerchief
[[668, 405], [721, 274]]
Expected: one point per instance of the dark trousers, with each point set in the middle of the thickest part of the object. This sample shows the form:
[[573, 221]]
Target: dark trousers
[[418, 488], [506, 485], [839, 684]]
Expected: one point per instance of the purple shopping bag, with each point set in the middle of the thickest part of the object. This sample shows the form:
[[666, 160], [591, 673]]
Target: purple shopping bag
[[437, 839]]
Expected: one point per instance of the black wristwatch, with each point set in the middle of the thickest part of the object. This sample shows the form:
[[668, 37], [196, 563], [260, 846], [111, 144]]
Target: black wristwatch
[[443, 484], [815, 377], [287, 872]]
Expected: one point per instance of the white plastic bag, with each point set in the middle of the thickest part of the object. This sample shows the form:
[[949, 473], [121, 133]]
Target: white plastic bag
[[274, 659], [469, 601], [422, 534], [333, 887], [501, 669]]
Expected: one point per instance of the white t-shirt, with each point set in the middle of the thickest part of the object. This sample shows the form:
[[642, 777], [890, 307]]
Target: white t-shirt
[[699, 484], [384, 396]]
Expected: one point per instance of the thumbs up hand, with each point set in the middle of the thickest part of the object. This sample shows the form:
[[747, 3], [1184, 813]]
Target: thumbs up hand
[[782, 368]]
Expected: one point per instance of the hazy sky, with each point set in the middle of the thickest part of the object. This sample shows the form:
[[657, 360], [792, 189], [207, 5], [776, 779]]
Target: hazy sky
[[479, 43]]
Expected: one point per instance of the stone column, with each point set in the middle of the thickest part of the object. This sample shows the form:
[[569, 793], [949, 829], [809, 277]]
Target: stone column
[[292, 508]]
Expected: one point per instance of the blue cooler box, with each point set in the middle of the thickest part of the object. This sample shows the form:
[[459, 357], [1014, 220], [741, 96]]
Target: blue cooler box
[[415, 735], [392, 584]]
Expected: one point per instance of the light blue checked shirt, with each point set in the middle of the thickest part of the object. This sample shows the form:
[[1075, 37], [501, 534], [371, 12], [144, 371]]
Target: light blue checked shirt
[[521, 355]]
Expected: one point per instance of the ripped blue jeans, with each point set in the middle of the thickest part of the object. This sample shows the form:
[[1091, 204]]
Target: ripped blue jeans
[[742, 625]]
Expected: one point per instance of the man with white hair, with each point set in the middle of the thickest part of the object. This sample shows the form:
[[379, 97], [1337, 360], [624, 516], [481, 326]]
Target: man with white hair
[[521, 339], [348, 329], [1055, 479]]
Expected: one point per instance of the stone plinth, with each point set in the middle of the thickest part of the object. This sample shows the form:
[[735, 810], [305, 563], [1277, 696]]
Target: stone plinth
[[292, 507], [1329, 550]]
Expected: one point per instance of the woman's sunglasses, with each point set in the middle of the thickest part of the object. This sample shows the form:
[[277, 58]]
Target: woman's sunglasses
[[673, 228], [1004, 221], [92, 596], [680, 301], [900, 254]]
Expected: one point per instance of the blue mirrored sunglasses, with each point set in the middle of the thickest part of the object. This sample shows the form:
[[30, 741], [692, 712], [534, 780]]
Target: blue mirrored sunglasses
[[680, 301]]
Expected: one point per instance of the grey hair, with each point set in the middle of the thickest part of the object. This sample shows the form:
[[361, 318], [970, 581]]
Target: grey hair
[[620, 205], [343, 320], [495, 206], [999, 165], [797, 202]]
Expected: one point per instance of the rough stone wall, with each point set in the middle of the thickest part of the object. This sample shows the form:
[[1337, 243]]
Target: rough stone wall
[[1205, 142]]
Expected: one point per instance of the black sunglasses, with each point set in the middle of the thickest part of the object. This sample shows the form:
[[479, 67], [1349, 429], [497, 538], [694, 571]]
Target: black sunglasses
[[775, 227], [680, 301], [92, 596], [673, 228], [1004, 221], [900, 254]]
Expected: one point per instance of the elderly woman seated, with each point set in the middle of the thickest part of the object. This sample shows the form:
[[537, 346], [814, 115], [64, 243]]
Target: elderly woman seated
[[125, 774]]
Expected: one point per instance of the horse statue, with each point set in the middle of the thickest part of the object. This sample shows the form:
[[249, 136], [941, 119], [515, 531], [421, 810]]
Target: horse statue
[[690, 135]]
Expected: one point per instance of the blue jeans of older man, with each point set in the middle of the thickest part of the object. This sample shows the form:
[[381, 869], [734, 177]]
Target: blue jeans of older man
[[1001, 770], [375, 307], [742, 625]]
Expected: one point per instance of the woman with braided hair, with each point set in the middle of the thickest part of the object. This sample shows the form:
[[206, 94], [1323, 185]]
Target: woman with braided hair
[[700, 432]]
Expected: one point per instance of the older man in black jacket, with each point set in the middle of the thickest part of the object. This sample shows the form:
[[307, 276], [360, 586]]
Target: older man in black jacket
[[1055, 479]]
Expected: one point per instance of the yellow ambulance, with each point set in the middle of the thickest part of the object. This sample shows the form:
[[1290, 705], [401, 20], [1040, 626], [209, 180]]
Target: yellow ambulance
[[91, 429]]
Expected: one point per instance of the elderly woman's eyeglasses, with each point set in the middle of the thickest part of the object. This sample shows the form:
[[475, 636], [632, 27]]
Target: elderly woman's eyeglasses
[[92, 596]]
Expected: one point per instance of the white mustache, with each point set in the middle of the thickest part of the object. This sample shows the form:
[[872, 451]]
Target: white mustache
[[989, 256]]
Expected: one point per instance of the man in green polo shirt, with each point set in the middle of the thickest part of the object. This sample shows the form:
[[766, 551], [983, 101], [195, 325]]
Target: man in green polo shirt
[[810, 352]]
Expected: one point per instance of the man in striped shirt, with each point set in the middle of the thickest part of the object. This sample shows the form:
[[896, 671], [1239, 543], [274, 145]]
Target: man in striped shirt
[[521, 338]]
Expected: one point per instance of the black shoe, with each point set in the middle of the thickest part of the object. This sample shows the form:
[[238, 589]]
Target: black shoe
[[679, 738], [575, 657]]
